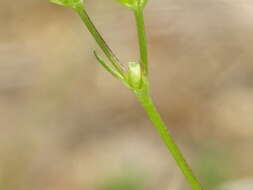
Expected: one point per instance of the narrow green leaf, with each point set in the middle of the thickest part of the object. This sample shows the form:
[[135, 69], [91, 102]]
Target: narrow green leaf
[[133, 4], [109, 68], [68, 3]]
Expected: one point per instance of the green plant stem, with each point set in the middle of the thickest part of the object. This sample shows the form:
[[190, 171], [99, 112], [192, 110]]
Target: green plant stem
[[145, 99], [99, 39], [154, 116], [143, 94], [139, 18]]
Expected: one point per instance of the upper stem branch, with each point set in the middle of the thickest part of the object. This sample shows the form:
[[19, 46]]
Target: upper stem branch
[[139, 18]]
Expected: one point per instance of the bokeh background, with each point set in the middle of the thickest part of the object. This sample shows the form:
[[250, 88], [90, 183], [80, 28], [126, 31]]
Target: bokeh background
[[67, 124]]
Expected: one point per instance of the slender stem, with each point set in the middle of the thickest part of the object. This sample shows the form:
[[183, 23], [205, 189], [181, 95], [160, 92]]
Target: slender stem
[[99, 39], [139, 18], [146, 101]]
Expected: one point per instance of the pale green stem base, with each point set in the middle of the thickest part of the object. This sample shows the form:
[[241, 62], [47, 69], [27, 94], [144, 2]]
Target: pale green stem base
[[147, 102]]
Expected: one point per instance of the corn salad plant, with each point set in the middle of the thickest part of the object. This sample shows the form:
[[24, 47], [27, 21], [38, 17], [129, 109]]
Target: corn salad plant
[[134, 75]]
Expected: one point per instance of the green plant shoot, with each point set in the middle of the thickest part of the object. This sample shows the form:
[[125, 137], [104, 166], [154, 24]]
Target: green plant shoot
[[134, 75]]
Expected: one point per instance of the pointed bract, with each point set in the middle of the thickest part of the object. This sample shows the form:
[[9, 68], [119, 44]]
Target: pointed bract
[[68, 3], [109, 68]]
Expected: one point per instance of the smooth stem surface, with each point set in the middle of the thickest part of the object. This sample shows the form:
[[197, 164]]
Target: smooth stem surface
[[145, 99], [139, 18], [99, 39], [154, 116]]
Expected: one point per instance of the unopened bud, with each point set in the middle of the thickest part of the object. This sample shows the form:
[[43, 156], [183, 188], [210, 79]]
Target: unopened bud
[[134, 75]]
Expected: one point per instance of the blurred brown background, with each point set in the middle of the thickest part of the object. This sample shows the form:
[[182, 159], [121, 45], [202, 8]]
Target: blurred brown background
[[67, 124]]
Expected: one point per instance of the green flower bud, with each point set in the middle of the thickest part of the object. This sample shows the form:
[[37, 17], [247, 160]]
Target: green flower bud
[[133, 4], [134, 75], [68, 3]]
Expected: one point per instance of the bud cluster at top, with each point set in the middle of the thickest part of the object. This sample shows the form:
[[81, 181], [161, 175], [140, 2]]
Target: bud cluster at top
[[133, 4], [68, 3]]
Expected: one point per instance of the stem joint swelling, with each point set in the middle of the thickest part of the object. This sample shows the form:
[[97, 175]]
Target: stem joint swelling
[[134, 75]]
